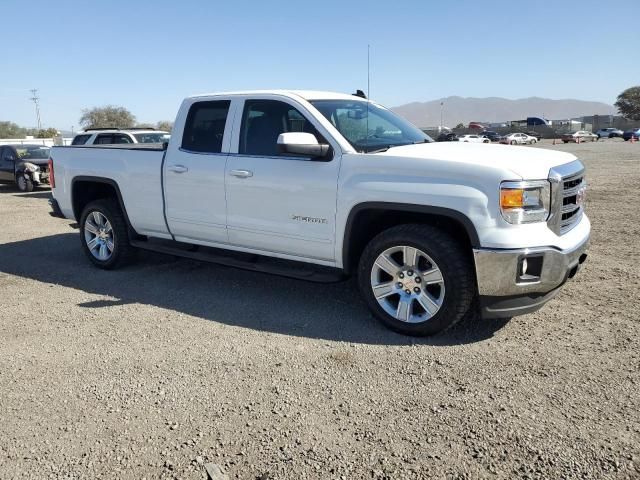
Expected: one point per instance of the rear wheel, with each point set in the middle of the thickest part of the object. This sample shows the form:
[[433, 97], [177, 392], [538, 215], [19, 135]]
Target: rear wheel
[[104, 234], [416, 279], [513, 142]]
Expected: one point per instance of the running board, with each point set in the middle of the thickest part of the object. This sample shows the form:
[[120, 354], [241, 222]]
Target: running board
[[245, 261]]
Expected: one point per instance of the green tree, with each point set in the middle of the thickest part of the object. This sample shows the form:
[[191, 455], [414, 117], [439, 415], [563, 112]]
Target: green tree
[[48, 133], [460, 125], [107, 116], [11, 130], [144, 125], [165, 126], [628, 103]]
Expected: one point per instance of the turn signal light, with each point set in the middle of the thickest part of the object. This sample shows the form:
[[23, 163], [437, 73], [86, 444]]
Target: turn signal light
[[512, 198]]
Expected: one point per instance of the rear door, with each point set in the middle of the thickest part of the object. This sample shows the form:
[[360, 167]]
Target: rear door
[[193, 174], [275, 202]]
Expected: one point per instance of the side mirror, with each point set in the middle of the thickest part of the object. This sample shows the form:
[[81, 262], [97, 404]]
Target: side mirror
[[300, 143]]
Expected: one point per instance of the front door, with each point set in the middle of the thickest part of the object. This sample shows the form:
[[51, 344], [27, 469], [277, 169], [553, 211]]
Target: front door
[[193, 173], [278, 203], [7, 164]]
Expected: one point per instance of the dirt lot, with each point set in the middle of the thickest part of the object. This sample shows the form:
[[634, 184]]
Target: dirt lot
[[152, 371]]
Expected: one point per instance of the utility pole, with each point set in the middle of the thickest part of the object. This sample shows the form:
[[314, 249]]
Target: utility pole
[[441, 107], [35, 99]]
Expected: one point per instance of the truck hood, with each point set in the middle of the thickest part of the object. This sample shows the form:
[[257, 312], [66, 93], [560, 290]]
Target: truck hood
[[527, 163]]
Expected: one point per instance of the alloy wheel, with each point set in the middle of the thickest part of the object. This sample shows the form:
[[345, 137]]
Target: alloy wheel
[[408, 284], [98, 235]]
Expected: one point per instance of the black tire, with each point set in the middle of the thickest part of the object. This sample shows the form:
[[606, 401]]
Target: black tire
[[122, 252], [452, 260], [24, 184], [565, 141]]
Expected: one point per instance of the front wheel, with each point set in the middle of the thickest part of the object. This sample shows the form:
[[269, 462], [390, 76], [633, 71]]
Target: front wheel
[[416, 279], [24, 184], [104, 234], [513, 142]]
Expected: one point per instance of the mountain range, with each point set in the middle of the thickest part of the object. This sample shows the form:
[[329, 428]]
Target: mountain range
[[495, 109]]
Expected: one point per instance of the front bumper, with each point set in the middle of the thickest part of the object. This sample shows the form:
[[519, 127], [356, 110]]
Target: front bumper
[[506, 289]]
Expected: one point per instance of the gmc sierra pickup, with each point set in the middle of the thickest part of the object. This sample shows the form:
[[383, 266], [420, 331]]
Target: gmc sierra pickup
[[322, 185]]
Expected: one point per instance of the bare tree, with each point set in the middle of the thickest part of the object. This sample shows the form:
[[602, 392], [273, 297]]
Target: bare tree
[[107, 116]]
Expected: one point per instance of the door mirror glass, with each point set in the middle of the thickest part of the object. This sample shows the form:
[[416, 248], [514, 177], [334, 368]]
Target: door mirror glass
[[301, 143]]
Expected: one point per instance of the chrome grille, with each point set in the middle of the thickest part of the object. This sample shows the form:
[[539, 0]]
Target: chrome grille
[[572, 194], [567, 193]]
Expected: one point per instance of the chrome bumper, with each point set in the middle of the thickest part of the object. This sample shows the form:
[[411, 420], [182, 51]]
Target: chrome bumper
[[505, 291]]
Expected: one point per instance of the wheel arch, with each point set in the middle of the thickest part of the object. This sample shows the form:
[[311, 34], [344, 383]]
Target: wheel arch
[[365, 220], [86, 189]]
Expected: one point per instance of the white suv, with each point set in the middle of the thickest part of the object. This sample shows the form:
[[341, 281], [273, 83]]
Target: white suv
[[110, 136]]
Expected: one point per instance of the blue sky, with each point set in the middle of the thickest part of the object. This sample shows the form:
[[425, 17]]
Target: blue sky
[[146, 56]]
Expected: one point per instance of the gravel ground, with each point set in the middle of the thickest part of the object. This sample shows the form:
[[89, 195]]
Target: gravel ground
[[153, 371]]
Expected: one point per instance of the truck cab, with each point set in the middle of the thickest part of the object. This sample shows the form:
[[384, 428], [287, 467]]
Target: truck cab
[[333, 185]]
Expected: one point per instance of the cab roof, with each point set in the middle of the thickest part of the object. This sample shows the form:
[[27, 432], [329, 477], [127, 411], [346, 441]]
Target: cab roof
[[305, 94]]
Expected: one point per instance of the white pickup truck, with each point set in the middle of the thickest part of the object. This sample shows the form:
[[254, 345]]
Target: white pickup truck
[[319, 186]]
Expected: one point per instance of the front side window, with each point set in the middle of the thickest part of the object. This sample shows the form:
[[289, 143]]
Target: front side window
[[264, 120], [204, 128], [369, 127]]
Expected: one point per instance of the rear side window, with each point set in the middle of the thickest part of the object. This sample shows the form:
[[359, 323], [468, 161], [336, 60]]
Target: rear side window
[[104, 139], [80, 139], [121, 138], [204, 128]]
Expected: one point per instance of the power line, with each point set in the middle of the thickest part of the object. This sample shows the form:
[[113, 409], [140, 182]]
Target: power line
[[35, 99]]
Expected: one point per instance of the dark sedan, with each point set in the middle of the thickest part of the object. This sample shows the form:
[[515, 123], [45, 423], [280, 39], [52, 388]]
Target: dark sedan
[[628, 134], [26, 165], [493, 136], [447, 137]]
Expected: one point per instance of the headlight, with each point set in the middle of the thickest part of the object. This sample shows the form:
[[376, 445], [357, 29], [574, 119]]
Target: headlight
[[525, 202]]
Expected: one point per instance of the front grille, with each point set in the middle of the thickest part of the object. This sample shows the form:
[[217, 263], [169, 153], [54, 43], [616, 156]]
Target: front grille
[[572, 195]]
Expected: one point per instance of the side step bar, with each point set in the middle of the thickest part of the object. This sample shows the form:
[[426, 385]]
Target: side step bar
[[255, 263]]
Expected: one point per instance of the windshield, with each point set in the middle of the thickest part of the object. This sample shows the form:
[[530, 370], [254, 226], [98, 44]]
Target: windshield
[[33, 152], [369, 129], [152, 137]]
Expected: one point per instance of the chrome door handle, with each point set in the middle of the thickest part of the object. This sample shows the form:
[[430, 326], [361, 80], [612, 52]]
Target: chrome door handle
[[241, 173], [178, 168]]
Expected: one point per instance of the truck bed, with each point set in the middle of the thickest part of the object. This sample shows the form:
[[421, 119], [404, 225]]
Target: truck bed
[[134, 168]]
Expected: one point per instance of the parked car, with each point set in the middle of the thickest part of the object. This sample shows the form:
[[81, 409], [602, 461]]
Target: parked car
[[628, 134], [112, 136], [430, 229], [579, 136], [518, 139], [473, 139], [536, 135], [447, 137], [26, 165], [609, 133], [492, 136]]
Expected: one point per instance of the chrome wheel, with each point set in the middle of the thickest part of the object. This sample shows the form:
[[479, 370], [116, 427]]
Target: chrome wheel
[[407, 284], [98, 235]]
